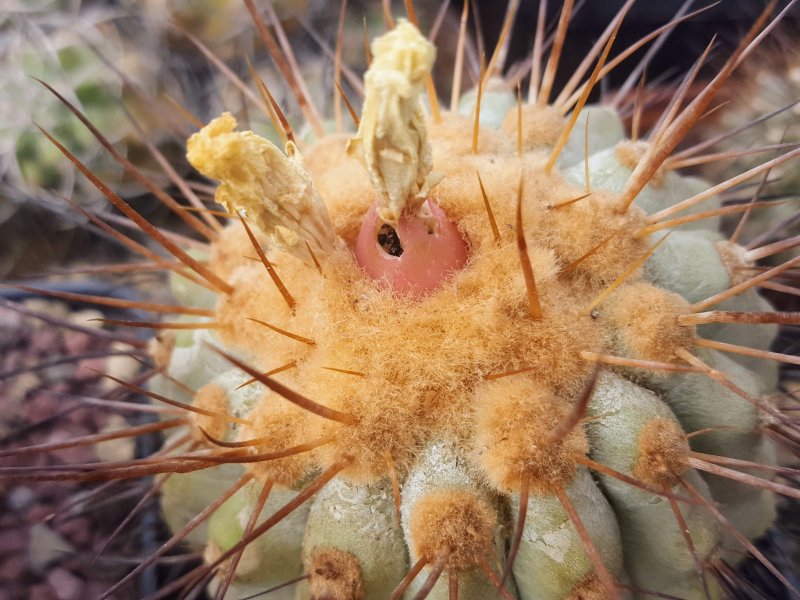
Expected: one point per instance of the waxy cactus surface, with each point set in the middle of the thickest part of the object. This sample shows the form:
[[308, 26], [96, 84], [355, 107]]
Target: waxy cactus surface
[[498, 351]]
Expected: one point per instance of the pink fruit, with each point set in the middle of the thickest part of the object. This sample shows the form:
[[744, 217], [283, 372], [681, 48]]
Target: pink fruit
[[410, 258]]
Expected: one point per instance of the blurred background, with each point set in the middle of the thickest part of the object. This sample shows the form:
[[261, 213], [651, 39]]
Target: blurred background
[[145, 72]]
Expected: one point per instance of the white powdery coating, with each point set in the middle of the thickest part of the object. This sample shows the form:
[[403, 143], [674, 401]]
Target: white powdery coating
[[552, 559], [441, 466], [655, 549], [553, 544], [360, 520]]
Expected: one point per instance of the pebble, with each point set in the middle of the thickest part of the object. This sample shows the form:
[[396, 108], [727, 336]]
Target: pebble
[[11, 541], [13, 568], [20, 498], [46, 547], [77, 530], [66, 585], [86, 369], [41, 591]]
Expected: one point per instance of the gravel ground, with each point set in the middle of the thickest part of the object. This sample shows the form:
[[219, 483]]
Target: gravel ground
[[51, 532]]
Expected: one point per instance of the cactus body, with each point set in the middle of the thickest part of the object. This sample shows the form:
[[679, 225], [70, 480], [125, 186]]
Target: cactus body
[[409, 365], [404, 330]]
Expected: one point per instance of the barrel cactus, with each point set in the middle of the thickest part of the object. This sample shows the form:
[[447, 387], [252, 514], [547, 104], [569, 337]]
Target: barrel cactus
[[499, 350], [69, 46]]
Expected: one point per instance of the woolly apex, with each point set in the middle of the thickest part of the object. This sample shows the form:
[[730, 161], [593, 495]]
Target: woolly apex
[[514, 421], [663, 453], [591, 588], [644, 321], [392, 142], [214, 399], [270, 189], [456, 525], [335, 575]]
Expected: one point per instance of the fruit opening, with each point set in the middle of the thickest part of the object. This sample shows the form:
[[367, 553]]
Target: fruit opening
[[389, 241], [416, 256]]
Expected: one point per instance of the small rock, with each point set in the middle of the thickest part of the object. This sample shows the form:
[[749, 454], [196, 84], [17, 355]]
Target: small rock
[[54, 308], [41, 406], [121, 367], [65, 584], [119, 449], [77, 530], [21, 497], [10, 319], [77, 342], [44, 341], [46, 547], [22, 384], [11, 541], [13, 568], [41, 592], [87, 369]]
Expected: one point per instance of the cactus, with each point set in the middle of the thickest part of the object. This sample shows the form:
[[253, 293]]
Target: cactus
[[67, 45], [776, 76], [466, 353]]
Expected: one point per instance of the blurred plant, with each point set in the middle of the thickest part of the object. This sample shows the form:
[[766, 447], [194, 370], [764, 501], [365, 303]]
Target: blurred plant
[[96, 56]]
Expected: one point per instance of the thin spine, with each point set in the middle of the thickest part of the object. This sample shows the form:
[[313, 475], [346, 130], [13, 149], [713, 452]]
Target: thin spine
[[137, 174], [755, 552], [500, 52], [595, 50], [657, 154], [687, 536], [745, 285], [548, 79], [662, 33], [409, 578], [706, 214], [182, 184], [635, 266], [489, 213], [180, 535], [536, 56], [114, 302], [160, 262], [276, 517], [458, 67], [148, 228], [91, 331], [290, 395], [175, 403], [430, 85], [288, 54], [287, 297], [593, 78], [269, 105], [534, 303], [603, 574], [737, 233], [230, 570], [337, 69], [477, 115], [673, 108]]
